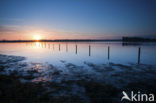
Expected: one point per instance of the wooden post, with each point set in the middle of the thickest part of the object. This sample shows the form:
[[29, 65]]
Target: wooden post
[[59, 47], [49, 46], [53, 46], [139, 51], [108, 52], [45, 45], [66, 47], [89, 50], [76, 49], [42, 45]]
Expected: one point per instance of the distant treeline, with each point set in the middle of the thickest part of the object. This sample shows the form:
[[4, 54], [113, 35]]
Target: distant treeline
[[62, 40], [137, 39]]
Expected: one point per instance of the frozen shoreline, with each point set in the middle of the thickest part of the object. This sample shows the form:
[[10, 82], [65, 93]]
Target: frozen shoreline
[[81, 81]]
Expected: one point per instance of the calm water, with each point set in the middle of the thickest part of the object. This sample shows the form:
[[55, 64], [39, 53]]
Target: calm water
[[77, 53]]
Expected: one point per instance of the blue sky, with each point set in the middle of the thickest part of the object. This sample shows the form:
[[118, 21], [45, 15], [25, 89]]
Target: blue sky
[[82, 18]]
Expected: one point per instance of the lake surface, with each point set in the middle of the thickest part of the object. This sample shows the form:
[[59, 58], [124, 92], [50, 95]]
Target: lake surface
[[79, 52]]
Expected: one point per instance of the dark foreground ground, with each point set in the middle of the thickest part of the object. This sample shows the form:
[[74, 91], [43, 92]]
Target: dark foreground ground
[[22, 82]]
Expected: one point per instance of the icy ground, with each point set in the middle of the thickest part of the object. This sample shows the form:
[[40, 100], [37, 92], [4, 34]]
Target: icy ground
[[70, 79]]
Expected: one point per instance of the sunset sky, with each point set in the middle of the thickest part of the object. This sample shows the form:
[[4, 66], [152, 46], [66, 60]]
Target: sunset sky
[[76, 19]]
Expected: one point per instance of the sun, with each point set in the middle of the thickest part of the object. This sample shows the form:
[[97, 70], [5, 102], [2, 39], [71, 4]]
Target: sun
[[37, 37]]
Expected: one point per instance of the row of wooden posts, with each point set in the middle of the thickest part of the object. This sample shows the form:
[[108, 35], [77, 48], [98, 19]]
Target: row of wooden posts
[[89, 48]]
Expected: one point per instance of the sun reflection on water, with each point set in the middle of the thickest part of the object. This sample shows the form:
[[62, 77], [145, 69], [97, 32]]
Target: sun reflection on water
[[37, 44]]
